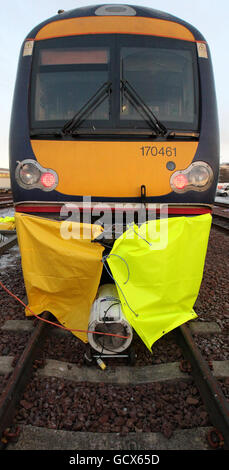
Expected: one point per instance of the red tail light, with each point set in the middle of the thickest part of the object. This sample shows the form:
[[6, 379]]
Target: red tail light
[[48, 179], [180, 181]]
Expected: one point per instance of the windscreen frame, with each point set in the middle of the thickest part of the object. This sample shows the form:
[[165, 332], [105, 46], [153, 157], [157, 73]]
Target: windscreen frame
[[115, 42]]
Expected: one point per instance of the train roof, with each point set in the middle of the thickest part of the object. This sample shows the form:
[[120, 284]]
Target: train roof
[[116, 10]]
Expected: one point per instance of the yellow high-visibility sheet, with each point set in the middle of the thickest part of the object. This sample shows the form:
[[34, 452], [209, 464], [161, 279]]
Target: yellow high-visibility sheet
[[159, 273], [7, 223], [61, 274]]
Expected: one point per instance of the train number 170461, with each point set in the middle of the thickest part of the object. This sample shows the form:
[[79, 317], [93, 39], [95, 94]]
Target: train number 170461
[[154, 151]]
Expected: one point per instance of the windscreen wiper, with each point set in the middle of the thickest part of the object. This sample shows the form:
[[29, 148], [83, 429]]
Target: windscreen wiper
[[140, 105], [183, 134], [45, 133], [87, 108]]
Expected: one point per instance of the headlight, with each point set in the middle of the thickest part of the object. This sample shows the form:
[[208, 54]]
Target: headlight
[[197, 177], [30, 174]]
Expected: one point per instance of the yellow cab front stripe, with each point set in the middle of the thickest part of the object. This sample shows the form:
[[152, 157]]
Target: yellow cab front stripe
[[112, 25]]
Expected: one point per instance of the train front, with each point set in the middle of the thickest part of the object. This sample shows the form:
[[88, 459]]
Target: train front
[[114, 113], [116, 104]]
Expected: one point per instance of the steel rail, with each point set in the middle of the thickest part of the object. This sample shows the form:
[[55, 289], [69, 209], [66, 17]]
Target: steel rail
[[5, 204], [220, 222], [20, 376], [6, 244], [220, 204], [6, 201], [210, 391]]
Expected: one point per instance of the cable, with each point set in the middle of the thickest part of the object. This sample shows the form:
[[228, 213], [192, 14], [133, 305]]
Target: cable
[[104, 321], [112, 305], [104, 258], [104, 261], [54, 324], [131, 227]]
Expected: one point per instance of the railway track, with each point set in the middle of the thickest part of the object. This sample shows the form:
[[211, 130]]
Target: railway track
[[221, 216], [8, 238], [222, 204], [61, 403], [121, 377], [221, 222], [6, 200]]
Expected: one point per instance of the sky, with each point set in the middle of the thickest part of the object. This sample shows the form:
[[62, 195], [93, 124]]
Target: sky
[[19, 17]]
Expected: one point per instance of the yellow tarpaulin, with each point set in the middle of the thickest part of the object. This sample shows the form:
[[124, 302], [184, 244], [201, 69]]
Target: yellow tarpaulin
[[7, 223], [159, 276], [61, 275]]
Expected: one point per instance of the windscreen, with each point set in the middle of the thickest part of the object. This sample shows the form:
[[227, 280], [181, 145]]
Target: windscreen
[[66, 79], [68, 72], [164, 79]]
